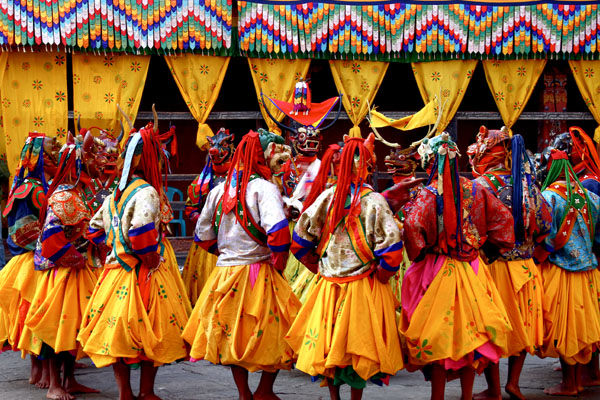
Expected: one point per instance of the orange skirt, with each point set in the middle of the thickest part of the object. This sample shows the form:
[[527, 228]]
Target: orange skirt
[[519, 284], [571, 313]]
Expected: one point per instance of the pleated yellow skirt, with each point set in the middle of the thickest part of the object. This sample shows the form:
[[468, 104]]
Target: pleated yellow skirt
[[57, 308], [173, 267], [16, 278], [300, 278], [571, 314], [4, 330], [198, 266], [519, 284], [241, 318], [347, 324], [454, 315], [117, 323]]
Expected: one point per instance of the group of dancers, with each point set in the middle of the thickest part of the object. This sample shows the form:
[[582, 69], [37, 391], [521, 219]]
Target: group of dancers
[[299, 263]]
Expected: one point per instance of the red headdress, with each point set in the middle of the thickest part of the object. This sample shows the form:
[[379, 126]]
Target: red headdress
[[584, 154], [358, 157], [329, 168], [248, 160]]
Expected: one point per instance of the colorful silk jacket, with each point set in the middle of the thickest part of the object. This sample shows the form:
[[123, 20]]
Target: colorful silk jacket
[[576, 254], [484, 218], [540, 220], [62, 241], [22, 215], [130, 225], [353, 249], [266, 238]]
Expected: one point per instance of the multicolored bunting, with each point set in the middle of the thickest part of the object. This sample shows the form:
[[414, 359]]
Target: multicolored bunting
[[119, 25], [418, 31], [371, 30]]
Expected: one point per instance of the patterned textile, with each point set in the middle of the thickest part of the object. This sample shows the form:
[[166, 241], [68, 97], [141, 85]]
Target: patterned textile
[[485, 219], [535, 229], [342, 255], [585, 73], [34, 99], [511, 83], [102, 82], [576, 254]]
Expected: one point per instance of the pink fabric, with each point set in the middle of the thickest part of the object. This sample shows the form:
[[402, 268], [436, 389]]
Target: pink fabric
[[417, 279], [419, 276], [488, 350], [254, 269]]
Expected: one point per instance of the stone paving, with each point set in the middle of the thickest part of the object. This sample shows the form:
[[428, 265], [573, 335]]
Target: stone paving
[[187, 381]]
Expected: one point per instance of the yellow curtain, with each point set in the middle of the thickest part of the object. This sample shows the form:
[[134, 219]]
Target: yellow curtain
[[34, 98], [359, 82], [448, 78], [3, 60], [102, 82], [512, 83], [276, 79], [199, 79], [587, 76], [426, 116]]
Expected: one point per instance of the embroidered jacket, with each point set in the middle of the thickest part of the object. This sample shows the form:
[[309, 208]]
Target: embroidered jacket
[[353, 249], [576, 254], [129, 225], [199, 189], [485, 218], [96, 192], [62, 242], [22, 214], [266, 237], [540, 222]]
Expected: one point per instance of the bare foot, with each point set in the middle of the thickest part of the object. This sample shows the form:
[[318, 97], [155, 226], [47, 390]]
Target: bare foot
[[589, 380], [514, 392], [58, 393], [75, 387], [486, 395], [560, 390], [44, 382], [36, 372]]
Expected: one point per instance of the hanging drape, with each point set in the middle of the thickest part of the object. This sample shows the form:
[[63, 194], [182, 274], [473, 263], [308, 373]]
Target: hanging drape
[[359, 82], [34, 98], [587, 76], [448, 78], [102, 82], [199, 79], [423, 117], [512, 83], [3, 60], [276, 79]]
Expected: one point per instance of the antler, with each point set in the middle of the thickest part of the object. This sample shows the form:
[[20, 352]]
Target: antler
[[338, 114], [126, 117], [433, 129], [120, 137], [377, 135], [79, 123], [155, 118], [282, 126]]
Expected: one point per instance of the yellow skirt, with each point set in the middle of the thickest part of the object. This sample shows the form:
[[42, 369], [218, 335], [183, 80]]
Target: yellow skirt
[[198, 266], [4, 331], [571, 314], [118, 325], [173, 267], [300, 278], [449, 312], [519, 283], [347, 324], [57, 308], [238, 322], [396, 280]]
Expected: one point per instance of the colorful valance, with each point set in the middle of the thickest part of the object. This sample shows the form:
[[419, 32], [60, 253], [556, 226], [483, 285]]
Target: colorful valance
[[158, 25], [416, 32]]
